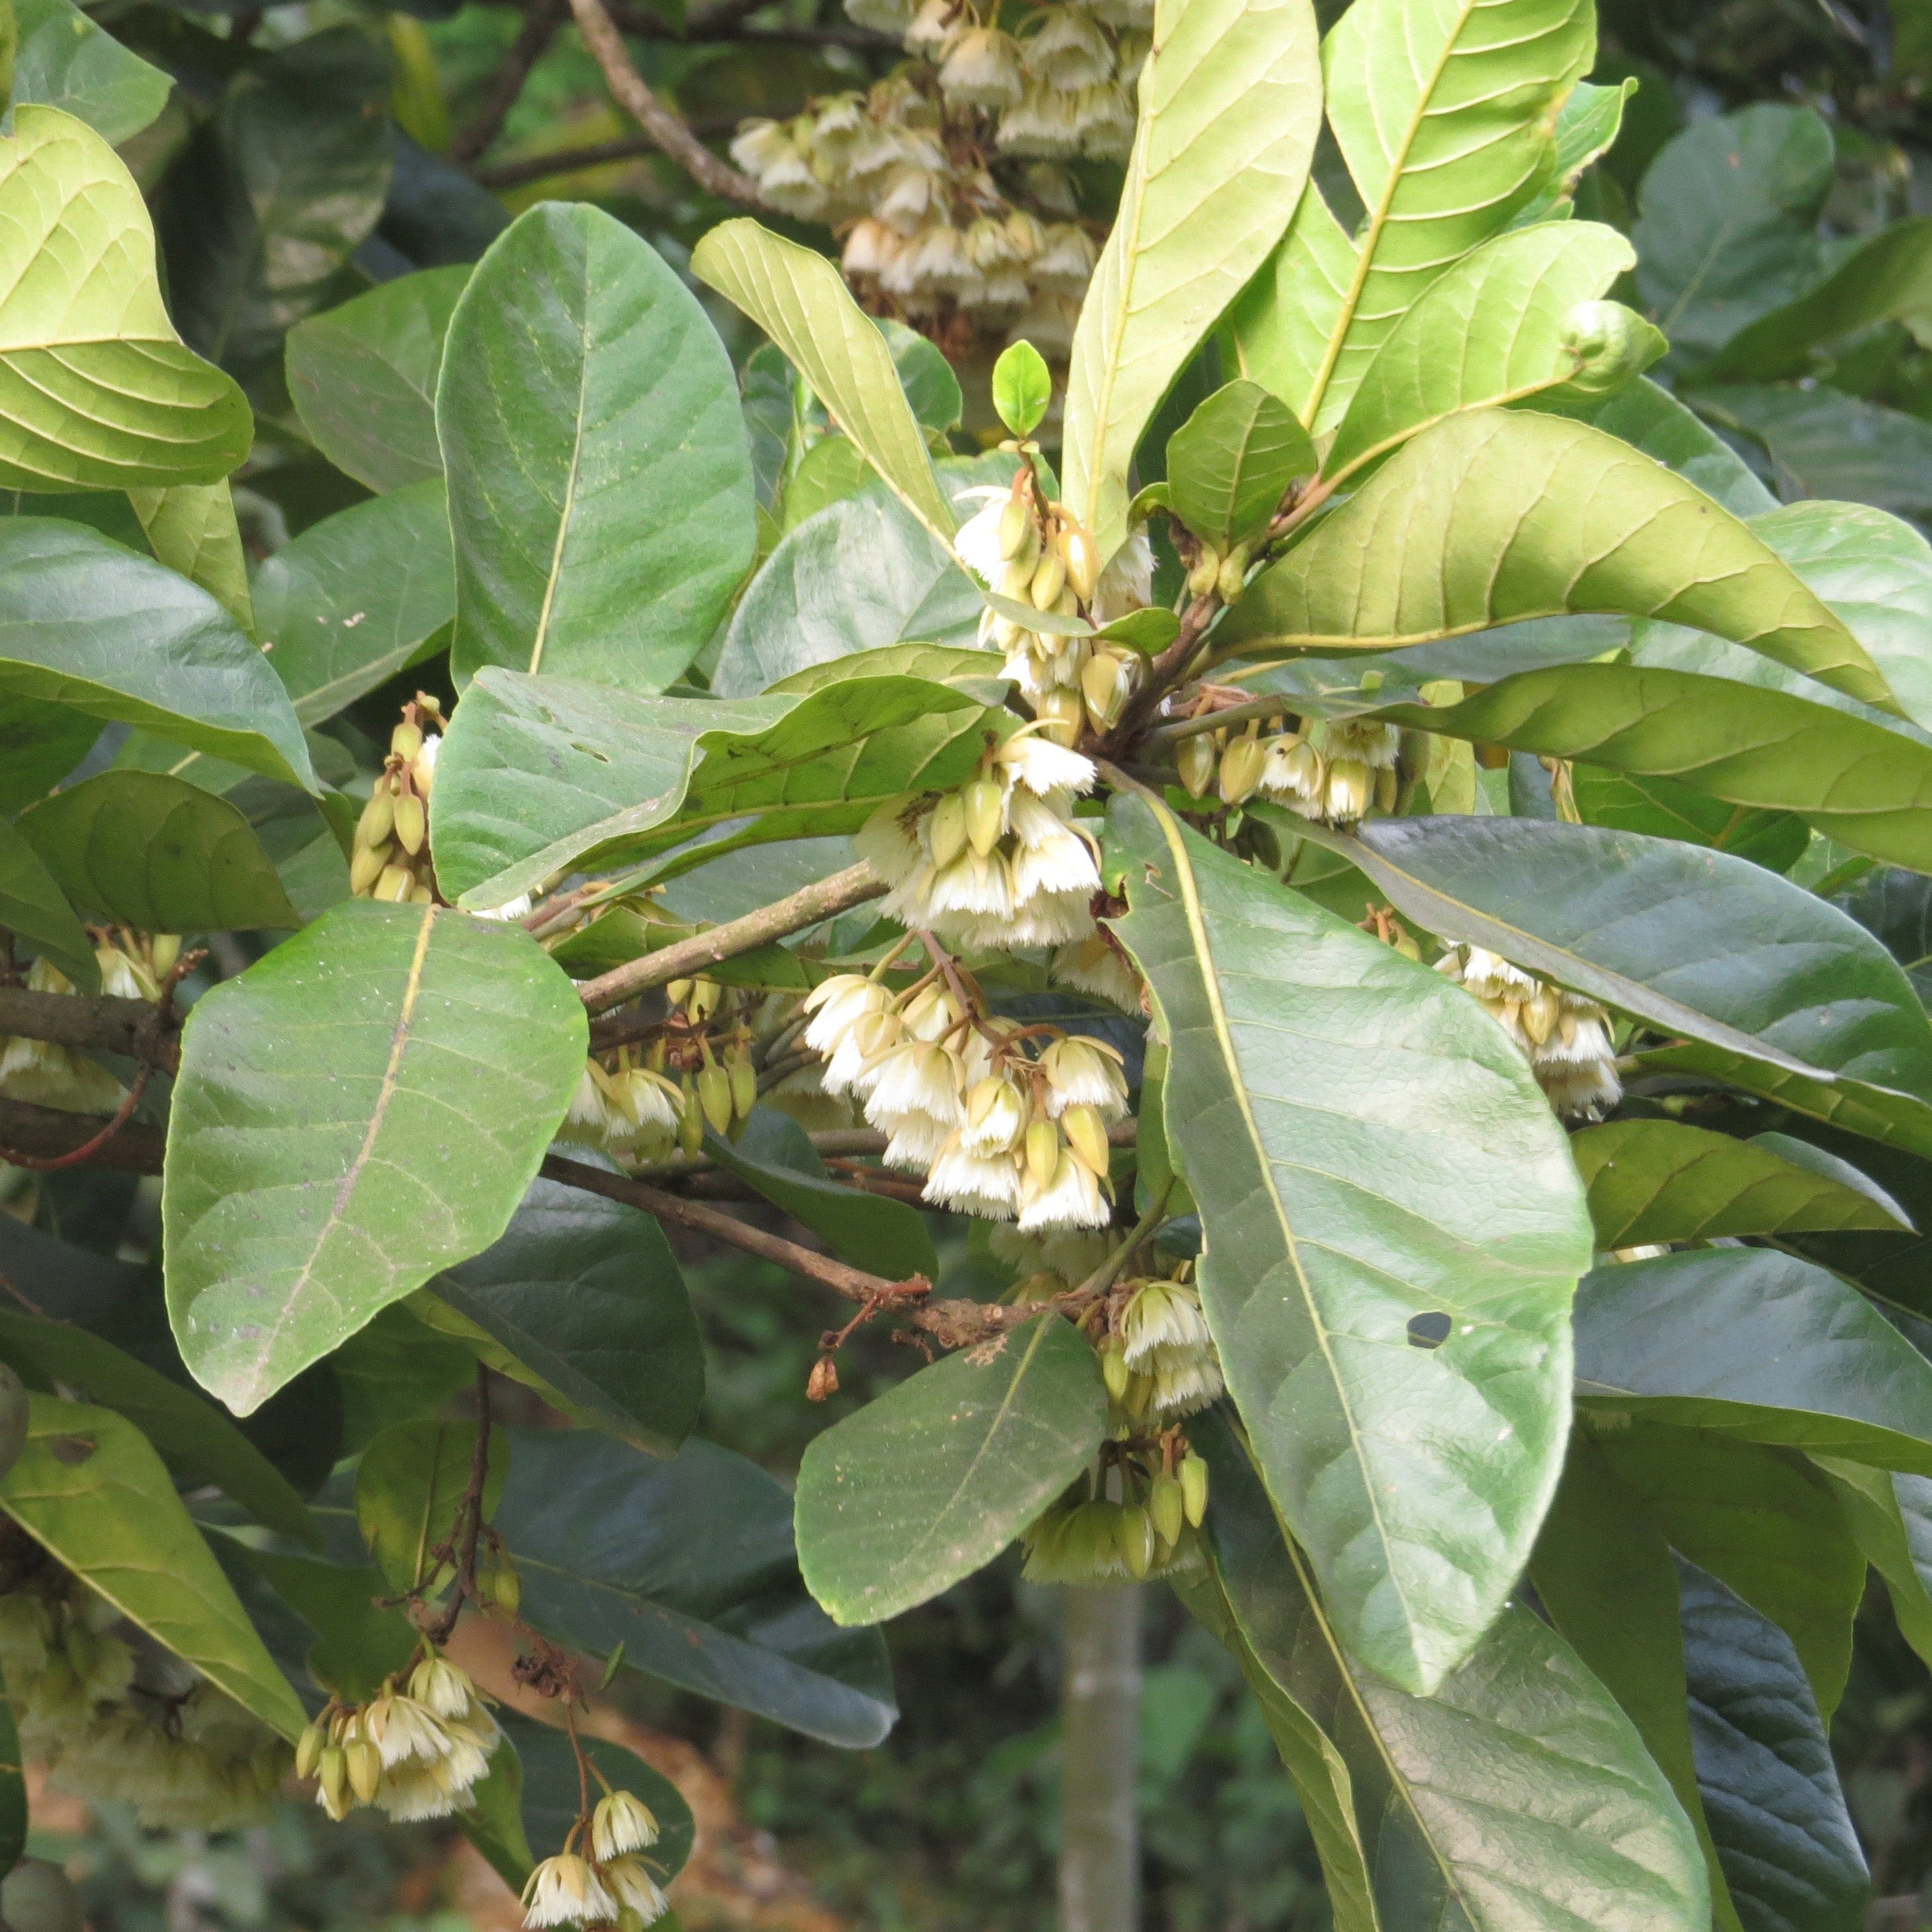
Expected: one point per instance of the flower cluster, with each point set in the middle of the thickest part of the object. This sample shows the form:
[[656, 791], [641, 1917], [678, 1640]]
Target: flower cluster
[[997, 1129], [613, 1885], [1336, 771], [1037, 555], [133, 966], [997, 863], [1566, 1037], [413, 1754], [115, 1717], [1160, 1362], [390, 857], [1147, 1526]]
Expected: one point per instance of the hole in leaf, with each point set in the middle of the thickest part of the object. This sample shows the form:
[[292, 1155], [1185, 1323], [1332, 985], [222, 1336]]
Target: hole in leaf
[[1429, 1331], [71, 1450]]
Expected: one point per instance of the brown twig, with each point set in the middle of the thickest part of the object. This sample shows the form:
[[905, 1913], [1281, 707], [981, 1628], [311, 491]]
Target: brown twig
[[102, 1022], [467, 1530], [688, 958], [629, 88], [136, 1148], [74, 1156], [539, 29], [1166, 671], [569, 160]]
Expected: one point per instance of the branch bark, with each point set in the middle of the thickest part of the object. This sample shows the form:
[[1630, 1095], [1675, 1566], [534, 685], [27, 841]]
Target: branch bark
[[1100, 1754], [539, 29], [628, 87], [688, 958], [106, 1024]]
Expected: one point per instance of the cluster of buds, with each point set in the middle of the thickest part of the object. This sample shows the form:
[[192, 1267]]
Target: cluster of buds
[[413, 1754], [613, 1886], [390, 859], [1038, 555], [115, 1717], [1336, 772], [907, 168], [641, 1102], [1001, 1124], [133, 966], [1139, 1518], [1566, 1037], [1159, 1361], [997, 863]]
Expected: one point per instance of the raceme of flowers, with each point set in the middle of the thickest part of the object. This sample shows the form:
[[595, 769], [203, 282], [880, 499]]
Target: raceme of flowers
[[613, 1885], [948, 176], [1036, 554], [114, 1717], [389, 858], [1337, 772], [1566, 1035], [411, 1753]]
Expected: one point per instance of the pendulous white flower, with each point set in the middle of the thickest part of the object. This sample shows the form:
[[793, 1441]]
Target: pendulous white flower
[[565, 1890], [1071, 1199], [621, 1822]]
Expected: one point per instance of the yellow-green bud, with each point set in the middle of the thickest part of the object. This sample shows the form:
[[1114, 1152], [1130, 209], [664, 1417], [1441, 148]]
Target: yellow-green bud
[[1168, 1506], [677, 991], [1042, 1152], [1086, 1135], [1018, 536], [744, 1085], [394, 884], [983, 805], [714, 1096], [1193, 1473], [412, 823], [1083, 561], [702, 999], [378, 815], [1348, 791], [405, 741], [1133, 1532], [1114, 1369], [1049, 579], [947, 829], [166, 950], [364, 1765], [690, 1119], [1241, 766], [309, 1749], [1061, 713], [1106, 682], [1206, 573], [1231, 579], [1388, 788], [1196, 760], [332, 1771]]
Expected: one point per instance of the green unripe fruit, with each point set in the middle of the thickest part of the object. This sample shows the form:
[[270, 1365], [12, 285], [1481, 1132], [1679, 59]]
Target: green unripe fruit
[[1193, 1474], [1613, 344]]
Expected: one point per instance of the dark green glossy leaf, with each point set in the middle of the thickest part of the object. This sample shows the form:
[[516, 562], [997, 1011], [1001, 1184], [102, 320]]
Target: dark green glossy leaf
[[931, 1481], [1662, 808], [1229, 465], [883, 1236], [357, 598], [1659, 1181], [410, 1487], [689, 1563], [40, 744], [365, 1105], [1823, 442], [1517, 1799], [397, 1369], [549, 1791], [157, 853], [1292, 1037], [1890, 1514], [584, 1297], [363, 378], [34, 910], [125, 641], [91, 1488], [539, 775], [357, 1641], [1823, 1370], [1771, 1791], [64, 60], [1895, 907], [600, 485]]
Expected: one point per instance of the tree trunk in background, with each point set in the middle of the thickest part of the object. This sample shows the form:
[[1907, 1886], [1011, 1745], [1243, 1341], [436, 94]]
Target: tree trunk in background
[[1099, 1737]]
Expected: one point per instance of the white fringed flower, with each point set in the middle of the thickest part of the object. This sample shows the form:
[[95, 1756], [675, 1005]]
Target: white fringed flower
[[971, 1183], [634, 1889], [1162, 1315], [983, 70], [1072, 1199], [1070, 51], [623, 1823], [565, 1891], [1084, 1073]]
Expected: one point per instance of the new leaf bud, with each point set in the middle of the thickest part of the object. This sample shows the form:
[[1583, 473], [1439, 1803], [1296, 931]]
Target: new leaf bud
[[1193, 1473], [1206, 573], [1196, 760], [1232, 577]]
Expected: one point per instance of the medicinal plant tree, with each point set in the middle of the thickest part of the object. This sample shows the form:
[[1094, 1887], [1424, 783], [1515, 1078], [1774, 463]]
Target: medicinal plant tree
[[1381, 931]]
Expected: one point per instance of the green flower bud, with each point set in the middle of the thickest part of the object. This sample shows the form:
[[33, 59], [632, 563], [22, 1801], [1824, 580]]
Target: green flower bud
[[412, 823], [405, 741], [166, 950], [947, 829], [363, 1764], [1042, 1152], [1049, 579], [332, 1770], [1133, 1533], [309, 1749], [702, 1001], [395, 884], [1196, 760], [744, 1086], [378, 815], [1612, 344], [1241, 766], [714, 1095], [1106, 682], [690, 1119], [1082, 556], [1193, 1474], [1062, 713], [1019, 537], [1167, 1505], [983, 803], [1388, 788], [1114, 1370], [1086, 1135]]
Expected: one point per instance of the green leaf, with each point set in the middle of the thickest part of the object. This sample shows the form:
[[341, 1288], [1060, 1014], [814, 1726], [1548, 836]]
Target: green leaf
[[40, 744], [396, 1369], [833, 469], [12, 1792], [1762, 1525], [1504, 305], [275, 194], [1783, 1837], [1278, 328], [191, 529], [550, 1796], [1895, 907], [931, 387], [884, 1236], [800, 301], [1825, 1371], [1497, 515], [97, 390], [1310, 1277], [1022, 387], [807, 606], [1148, 631], [157, 853], [930, 1481], [193, 1435], [689, 1563], [600, 484], [363, 1106], [1231, 463], [1653, 421], [1800, 1000], [1729, 227], [1659, 1181], [363, 377], [1230, 104], [358, 1642], [1587, 126], [64, 60], [1856, 782], [1888, 278], [1890, 1516], [1662, 808], [357, 598], [1519, 1796], [91, 1488], [539, 775], [1823, 442], [1446, 119], [410, 1487], [33, 908], [585, 1297], [125, 641]]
